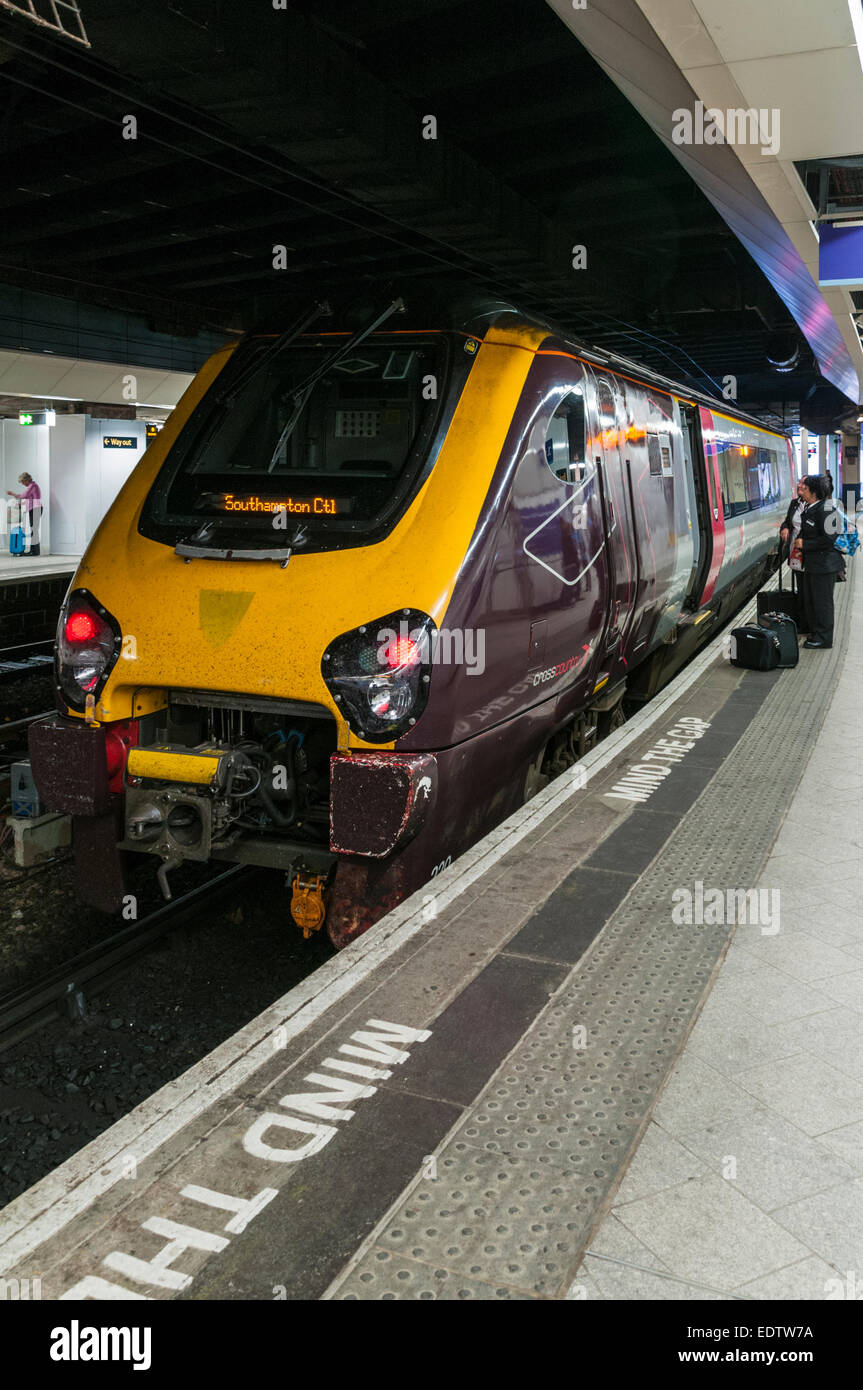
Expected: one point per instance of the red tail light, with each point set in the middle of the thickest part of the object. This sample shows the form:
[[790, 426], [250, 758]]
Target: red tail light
[[404, 651], [88, 644], [81, 627], [379, 674]]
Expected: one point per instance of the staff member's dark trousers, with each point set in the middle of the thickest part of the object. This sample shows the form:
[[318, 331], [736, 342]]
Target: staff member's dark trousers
[[817, 594]]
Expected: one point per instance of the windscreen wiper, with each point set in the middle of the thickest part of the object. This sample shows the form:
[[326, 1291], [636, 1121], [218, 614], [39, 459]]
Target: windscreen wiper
[[228, 395], [223, 398], [199, 546], [302, 392]]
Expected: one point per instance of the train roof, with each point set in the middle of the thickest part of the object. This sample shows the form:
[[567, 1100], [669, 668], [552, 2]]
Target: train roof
[[468, 312], [628, 367]]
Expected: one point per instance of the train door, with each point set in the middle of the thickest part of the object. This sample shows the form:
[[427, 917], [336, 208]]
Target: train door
[[558, 497], [693, 453], [617, 503], [717, 503]]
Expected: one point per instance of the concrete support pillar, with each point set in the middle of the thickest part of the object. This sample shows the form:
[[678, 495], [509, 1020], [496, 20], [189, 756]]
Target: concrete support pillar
[[804, 452], [850, 470]]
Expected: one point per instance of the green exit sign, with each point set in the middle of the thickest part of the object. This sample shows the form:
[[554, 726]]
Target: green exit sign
[[36, 417]]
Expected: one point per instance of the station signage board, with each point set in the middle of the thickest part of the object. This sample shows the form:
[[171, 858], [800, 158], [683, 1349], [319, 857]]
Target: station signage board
[[840, 253], [119, 441]]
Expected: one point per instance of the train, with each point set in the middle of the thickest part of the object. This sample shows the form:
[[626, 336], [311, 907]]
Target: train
[[375, 582]]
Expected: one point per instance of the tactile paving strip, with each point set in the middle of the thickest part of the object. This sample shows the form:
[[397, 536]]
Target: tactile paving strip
[[522, 1180]]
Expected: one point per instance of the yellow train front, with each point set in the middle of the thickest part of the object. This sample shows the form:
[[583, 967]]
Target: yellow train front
[[247, 635], [370, 587]]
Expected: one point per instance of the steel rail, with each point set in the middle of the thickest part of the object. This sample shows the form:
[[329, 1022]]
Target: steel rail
[[26, 646], [16, 726], [63, 989]]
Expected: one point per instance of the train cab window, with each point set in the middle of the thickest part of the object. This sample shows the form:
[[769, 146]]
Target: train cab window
[[565, 439], [336, 448]]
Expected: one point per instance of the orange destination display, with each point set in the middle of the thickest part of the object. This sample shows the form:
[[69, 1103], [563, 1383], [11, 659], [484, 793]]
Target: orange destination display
[[309, 506]]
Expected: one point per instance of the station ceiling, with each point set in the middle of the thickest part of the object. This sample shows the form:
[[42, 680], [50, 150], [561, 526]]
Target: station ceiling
[[303, 127]]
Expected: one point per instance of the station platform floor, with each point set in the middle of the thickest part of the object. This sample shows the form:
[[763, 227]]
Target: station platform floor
[[14, 569], [559, 1072]]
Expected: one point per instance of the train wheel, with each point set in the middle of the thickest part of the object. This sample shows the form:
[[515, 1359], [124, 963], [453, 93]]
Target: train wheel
[[611, 720], [536, 778]]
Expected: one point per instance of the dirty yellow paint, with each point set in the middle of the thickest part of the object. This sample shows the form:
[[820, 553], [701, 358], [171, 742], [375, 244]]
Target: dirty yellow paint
[[221, 614]]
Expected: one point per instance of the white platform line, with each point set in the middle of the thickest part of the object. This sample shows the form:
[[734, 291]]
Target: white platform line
[[59, 1197]]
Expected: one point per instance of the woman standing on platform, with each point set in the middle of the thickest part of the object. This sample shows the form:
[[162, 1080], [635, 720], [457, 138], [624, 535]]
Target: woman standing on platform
[[790, 528], [821, 560], [32, 499]]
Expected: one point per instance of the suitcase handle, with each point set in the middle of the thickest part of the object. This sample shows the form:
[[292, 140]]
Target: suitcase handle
[[793, 589]]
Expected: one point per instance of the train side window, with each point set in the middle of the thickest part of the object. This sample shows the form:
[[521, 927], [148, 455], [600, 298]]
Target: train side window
[[768, 476], [727, 507], [751, 479], [733, 470], [654, 456], [565, 439]]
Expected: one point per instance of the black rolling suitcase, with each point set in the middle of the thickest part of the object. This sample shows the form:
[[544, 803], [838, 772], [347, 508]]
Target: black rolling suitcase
[[754, 648], [781, 600], [784, 629]]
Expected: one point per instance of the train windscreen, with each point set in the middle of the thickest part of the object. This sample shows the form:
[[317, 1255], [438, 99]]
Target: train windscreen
[[333, 444]]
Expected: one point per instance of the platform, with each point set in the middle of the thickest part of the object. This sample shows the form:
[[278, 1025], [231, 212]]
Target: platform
[[14, 569], [502, 1091], [31, 593]]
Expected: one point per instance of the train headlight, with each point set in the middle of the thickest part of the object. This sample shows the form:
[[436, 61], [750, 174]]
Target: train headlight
[[379, 674], [88, 644], [391, 698]]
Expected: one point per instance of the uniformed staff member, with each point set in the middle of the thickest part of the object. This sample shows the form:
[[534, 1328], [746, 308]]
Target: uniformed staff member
[[790, 529], [821, 560]]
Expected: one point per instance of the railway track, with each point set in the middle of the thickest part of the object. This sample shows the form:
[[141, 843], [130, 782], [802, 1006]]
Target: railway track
[[26, 659], [66, 990], [14, 728]]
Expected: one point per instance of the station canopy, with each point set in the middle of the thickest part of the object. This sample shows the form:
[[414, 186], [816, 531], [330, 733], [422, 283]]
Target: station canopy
[[155, 160]]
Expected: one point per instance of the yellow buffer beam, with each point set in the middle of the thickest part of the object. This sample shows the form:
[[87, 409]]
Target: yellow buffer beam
[[165, 765]]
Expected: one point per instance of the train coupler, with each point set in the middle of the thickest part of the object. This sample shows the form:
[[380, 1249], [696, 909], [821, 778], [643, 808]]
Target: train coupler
[[309, 901]]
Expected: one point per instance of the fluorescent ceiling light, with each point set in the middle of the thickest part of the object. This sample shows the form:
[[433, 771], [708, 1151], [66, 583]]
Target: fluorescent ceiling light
[[79, 400], [37, 396], [856, 8]]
